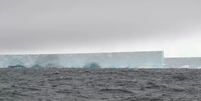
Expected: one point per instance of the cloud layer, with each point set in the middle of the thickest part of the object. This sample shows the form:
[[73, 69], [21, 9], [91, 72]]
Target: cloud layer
[[63, 26]]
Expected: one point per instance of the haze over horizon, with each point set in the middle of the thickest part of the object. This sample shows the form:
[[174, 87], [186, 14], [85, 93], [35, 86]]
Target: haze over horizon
[[67, 26]]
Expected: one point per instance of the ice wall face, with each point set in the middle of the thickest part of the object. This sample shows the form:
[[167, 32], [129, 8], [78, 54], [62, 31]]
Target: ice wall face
[[152, 59], [48, 61], [190, 62]]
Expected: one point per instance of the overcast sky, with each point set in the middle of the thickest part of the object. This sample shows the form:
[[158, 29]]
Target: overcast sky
[[79, 26]]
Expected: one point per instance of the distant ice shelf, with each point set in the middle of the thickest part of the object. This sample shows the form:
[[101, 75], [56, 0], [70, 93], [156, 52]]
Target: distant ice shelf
[[183, 62], [150, 59]]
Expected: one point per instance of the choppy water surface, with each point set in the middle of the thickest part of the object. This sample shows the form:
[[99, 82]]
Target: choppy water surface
[[76, 84]]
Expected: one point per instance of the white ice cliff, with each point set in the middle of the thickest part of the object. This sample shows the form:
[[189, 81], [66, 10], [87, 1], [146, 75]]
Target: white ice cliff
[[152, 59]]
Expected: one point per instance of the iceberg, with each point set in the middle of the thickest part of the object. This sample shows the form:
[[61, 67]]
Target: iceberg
[[183, 62], [152, 59]]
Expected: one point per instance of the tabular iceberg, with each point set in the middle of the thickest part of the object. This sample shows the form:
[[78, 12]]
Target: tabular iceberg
[[151, 59], [183, 62]]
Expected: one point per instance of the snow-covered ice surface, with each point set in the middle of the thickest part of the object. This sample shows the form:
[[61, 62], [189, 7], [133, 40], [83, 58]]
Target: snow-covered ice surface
[[151, 59]]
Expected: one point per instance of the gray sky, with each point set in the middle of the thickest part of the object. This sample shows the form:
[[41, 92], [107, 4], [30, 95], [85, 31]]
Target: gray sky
[[72, 26]]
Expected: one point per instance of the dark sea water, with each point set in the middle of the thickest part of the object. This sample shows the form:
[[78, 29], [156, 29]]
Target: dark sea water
[[84, 84]]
